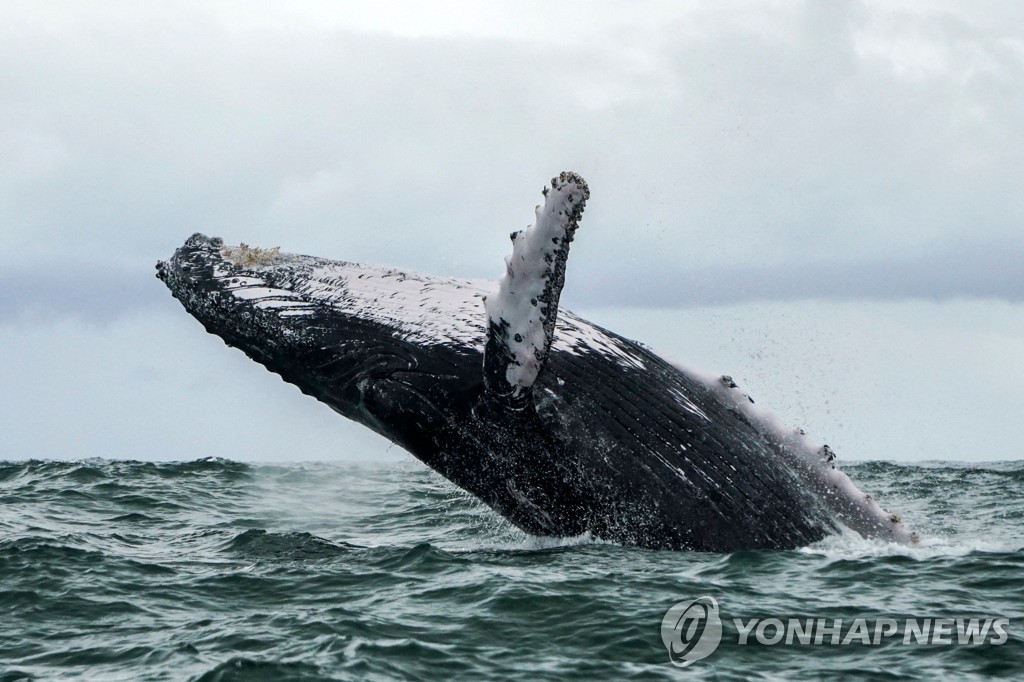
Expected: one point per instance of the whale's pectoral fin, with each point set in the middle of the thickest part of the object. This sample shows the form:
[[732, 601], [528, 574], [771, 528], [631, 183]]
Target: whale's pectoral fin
[[521, 314]]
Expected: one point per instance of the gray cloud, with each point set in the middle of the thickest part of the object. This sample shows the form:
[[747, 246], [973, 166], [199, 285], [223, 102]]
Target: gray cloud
[[721, 143], [973, 271]]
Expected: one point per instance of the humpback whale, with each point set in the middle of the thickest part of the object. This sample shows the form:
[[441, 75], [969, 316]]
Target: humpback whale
[[562, 427]]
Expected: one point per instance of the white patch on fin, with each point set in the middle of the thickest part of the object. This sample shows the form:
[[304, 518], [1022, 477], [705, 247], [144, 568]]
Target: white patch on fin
[[523, 311]]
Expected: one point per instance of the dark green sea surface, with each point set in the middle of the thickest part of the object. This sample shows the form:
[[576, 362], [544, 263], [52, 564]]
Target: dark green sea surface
[[216, 570]]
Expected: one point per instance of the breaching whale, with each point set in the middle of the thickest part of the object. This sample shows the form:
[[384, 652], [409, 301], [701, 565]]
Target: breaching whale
[[562, 427]]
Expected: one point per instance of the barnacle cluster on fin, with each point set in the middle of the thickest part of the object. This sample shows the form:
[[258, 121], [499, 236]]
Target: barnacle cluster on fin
[[246, 256], [521, 314]]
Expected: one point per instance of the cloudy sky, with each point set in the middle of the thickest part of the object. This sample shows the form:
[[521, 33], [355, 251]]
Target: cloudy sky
[[822, 198]]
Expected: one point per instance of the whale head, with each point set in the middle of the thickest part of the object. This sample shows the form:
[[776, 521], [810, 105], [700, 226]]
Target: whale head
[[381, 346]]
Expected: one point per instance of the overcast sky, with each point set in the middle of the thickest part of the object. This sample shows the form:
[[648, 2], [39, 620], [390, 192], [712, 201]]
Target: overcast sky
[[751, 161]]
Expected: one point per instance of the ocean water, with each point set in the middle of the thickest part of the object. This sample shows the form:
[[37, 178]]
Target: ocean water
[[219, 570]]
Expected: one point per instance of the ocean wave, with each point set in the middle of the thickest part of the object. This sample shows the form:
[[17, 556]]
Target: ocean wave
[[214, 570]]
